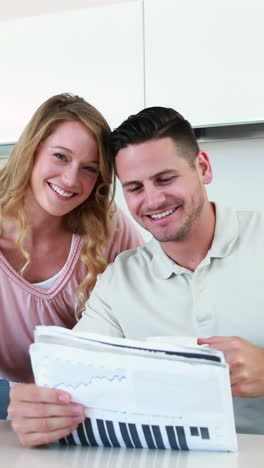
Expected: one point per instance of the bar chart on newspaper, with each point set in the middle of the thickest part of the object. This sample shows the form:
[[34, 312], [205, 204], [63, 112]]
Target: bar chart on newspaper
[[139, 394]]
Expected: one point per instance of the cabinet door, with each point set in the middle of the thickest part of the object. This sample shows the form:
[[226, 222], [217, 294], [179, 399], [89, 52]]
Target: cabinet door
[[205, 59], [95, 52]]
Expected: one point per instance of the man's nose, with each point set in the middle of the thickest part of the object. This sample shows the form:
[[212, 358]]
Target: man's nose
[[154, 197]]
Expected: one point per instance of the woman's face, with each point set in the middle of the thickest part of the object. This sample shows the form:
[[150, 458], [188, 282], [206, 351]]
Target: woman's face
[[66, 168]]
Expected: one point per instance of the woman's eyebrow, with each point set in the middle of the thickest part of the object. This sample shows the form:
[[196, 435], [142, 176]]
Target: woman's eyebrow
[[62, 148]]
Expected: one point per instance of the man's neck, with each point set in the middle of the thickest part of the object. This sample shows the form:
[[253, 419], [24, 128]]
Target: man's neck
[[190, 251]]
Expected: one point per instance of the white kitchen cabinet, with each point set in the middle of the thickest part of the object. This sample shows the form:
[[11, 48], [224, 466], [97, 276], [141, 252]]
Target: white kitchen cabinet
[[205, 58], [95, 52]]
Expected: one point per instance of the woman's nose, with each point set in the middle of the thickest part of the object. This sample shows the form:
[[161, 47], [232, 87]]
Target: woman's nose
[[70, 176]]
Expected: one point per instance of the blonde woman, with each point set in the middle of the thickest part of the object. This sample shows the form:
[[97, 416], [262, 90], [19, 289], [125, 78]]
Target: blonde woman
[[58, 227]]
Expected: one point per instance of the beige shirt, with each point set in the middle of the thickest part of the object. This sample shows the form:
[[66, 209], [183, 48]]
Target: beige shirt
[[144, 293]]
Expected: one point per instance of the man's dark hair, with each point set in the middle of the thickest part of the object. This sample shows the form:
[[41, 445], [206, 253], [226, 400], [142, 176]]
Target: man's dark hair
[[154, 123]]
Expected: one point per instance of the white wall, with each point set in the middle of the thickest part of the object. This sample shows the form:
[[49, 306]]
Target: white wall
[[238, 172], [96, 53], [205, 58], [20, 8]]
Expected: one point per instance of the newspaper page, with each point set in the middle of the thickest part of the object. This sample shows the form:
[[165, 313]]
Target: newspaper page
[[138, 394]]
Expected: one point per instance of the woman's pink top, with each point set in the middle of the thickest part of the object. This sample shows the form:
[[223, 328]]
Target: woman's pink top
[[23, 306]]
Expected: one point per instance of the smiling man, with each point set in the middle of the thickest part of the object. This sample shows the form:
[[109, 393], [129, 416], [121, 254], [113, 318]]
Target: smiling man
[[201, 274], [163, 184]]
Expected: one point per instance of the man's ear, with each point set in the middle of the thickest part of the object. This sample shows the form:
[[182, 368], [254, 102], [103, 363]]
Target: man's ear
[[204, 167]]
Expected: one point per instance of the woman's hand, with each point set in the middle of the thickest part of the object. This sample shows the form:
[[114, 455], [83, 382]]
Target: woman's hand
[[42, 415]]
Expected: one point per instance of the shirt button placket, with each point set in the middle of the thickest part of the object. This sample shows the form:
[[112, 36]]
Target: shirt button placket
[[201, 303]]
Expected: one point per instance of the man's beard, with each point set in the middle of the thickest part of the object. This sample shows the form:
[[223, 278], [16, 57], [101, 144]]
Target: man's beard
[[183, 231]]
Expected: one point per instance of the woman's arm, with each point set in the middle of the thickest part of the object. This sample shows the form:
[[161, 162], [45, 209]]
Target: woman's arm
[[42, 415]]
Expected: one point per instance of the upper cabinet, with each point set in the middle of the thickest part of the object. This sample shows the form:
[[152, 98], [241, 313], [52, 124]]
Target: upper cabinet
[[95, 52], [205, 58]]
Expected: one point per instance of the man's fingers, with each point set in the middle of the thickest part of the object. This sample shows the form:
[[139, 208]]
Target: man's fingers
[[213, 340]]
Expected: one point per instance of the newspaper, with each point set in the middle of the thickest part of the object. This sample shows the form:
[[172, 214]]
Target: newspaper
[[139, 394]]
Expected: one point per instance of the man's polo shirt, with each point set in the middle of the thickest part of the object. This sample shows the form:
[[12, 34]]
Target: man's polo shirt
[[144, 293]]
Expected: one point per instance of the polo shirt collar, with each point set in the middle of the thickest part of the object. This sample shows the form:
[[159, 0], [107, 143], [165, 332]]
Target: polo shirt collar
[[163, 266], [226, 233]]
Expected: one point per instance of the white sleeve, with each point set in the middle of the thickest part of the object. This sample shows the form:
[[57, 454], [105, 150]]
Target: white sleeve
[[98, 316]]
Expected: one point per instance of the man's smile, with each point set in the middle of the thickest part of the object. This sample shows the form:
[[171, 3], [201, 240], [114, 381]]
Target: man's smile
[[162, 214]]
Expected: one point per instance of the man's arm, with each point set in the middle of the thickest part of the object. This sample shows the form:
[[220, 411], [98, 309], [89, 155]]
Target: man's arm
[[246, 363], [98, 315]]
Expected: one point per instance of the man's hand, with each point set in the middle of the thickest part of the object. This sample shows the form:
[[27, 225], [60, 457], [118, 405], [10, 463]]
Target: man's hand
[[246, 363], [42, 415]]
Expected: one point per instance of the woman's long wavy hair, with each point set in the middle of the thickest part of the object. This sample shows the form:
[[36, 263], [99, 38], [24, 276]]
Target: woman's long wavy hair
[[92, 217]]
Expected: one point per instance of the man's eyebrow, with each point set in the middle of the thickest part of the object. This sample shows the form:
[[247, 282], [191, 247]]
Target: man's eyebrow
[[165, 171], [130, 182], [158, 174]]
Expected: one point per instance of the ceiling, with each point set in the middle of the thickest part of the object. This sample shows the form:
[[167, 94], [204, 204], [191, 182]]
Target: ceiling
[[10, 9]]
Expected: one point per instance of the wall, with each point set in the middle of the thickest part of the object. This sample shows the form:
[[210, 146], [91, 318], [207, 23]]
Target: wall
[[96, 53], [238, 172], [205, 59], [19, 9]]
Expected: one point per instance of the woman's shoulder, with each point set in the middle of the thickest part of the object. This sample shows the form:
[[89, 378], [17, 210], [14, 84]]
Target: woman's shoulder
[[124, 234]]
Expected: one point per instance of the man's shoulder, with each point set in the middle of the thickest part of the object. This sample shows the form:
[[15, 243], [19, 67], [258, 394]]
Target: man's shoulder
[[134, 257], [250, 218], [245, 218], [128, 264], [250, 226], [236, 227]]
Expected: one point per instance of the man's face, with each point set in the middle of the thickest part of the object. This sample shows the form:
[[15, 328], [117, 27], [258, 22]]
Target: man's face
[[164, 193]]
